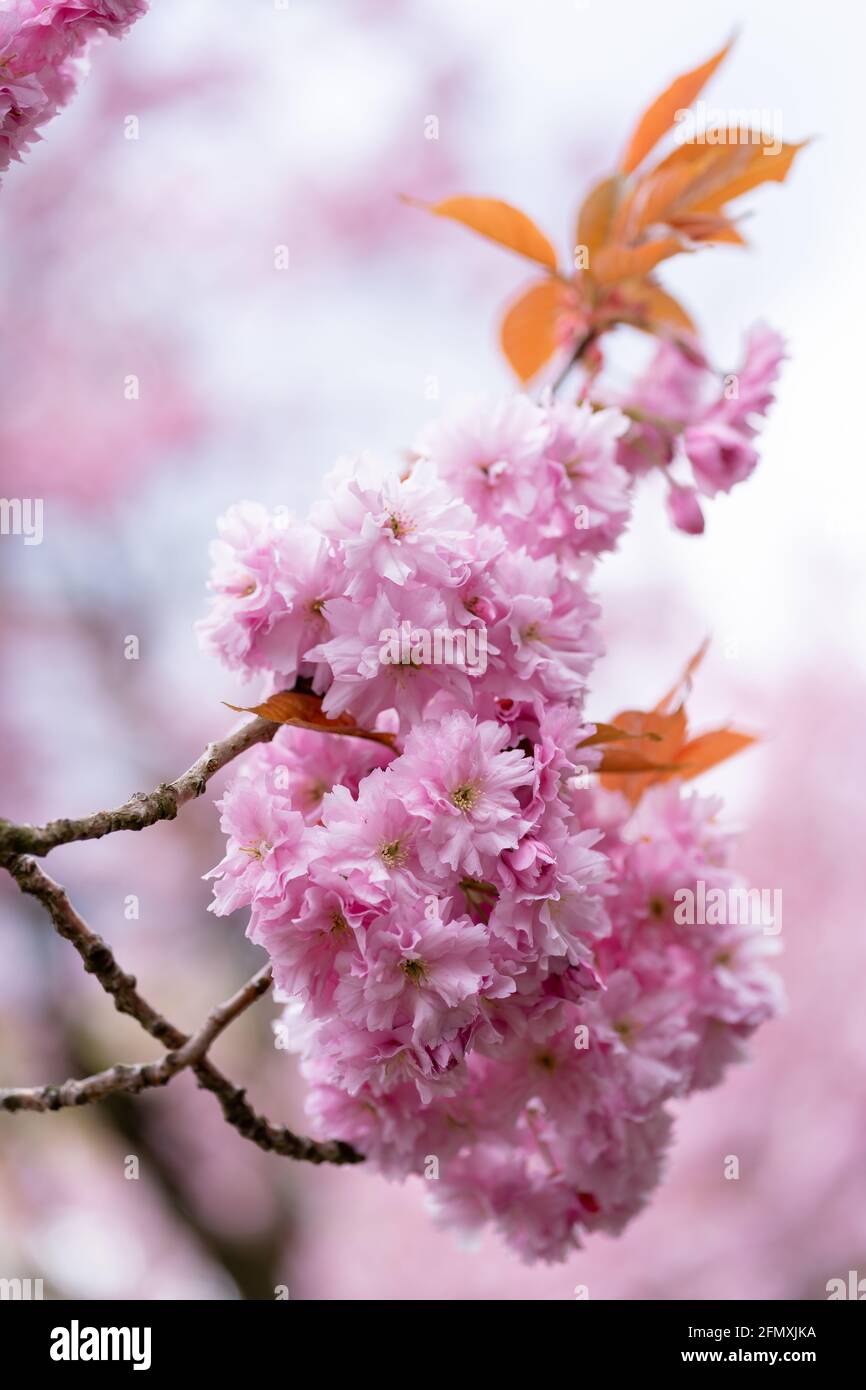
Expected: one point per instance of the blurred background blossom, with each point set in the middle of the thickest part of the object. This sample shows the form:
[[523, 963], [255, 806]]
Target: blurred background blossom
[[291, 130]]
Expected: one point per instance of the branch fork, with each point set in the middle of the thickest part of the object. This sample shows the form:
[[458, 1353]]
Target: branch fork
[[20, 845]]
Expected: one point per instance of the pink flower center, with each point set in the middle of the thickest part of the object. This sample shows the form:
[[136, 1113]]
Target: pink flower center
[[400, 525], [465, 797], [414, 970], [393, 854], [257, 851]]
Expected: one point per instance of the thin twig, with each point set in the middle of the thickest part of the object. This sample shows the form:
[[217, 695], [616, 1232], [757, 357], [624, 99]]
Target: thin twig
[[139, 1076], [99, 960], [142, 809], [580, 348]]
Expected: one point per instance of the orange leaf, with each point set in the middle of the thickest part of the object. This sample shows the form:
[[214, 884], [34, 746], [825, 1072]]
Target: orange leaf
[[621, 762], [305, 712], [629, 262], [596, 215], [696, 173], [610, 733], [709, 749], [707, 227], [727, 234], [763, 166], [724, 169], [529, 331], [664, 733], [497, 221], [656, 195], [659, 308], [655, 759], [711, 158], [662, 750], [660, 116]]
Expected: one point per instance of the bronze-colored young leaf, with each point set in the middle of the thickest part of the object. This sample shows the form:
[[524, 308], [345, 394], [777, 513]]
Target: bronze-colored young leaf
[[530, 329], [645, 299], [625, 762], [617, 263], [305, 712], [707, 227], [499, 222], [764, 165], [656, 196], [596, 215], [707, 750], [722, 169], [660, 116], [653, 757], [664, 749], [611, 733]]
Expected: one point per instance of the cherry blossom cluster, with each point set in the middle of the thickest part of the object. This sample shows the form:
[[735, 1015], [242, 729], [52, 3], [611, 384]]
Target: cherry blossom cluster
[[540, 494], [43, 56], [475, 942]]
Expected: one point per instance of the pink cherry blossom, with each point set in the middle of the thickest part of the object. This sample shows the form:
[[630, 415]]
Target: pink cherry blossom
[[249, 604], [265, 849], [720, 456], [591, 492], [491, 457], [459, 780], [427, 976], [43, 54], [400, 527], [682, 412]]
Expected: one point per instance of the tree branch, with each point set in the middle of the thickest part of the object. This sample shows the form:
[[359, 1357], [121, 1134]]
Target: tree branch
[[184, 1051], [142, 1075], [142, 809], [581, 346]]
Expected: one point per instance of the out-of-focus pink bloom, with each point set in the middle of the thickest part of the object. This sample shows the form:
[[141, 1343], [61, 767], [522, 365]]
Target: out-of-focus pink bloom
[[675, 416], [719, 445], [591, 492], [492, 457], [749, 394], [720, 456], [547, 475], [685, 509]]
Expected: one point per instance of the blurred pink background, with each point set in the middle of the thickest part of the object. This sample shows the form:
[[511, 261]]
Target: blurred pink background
[[155, 257]]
